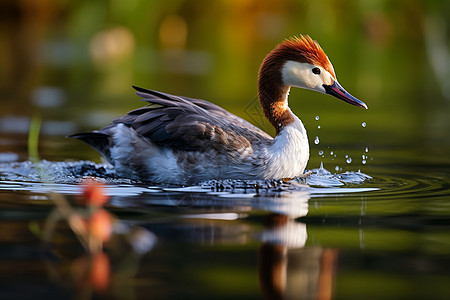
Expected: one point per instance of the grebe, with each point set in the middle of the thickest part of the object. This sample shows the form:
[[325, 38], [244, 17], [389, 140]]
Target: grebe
[[182, 140]]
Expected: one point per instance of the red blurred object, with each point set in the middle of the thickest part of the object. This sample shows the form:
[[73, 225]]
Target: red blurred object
[[93, 193], [100, 270], [100, 225]]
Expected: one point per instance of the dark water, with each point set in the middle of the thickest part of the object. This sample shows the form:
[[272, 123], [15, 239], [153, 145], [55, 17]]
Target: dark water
[[348, 235]]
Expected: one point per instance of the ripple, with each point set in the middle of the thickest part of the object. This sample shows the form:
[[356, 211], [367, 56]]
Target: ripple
[[412, 184], [277, 196], [385, 182], [291, 198]]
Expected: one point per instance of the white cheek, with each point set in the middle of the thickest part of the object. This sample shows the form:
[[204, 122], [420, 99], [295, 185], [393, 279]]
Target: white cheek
[[327, 78], [300, 75]]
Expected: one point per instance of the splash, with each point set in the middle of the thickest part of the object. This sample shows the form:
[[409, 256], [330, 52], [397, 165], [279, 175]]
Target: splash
[[56, 172], [278, 196], [61, 177]]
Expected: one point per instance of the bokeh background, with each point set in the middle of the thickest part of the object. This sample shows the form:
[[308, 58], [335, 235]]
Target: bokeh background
[[73, 63]]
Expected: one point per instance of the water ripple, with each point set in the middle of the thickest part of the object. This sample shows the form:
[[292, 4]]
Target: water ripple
[[271, 195]]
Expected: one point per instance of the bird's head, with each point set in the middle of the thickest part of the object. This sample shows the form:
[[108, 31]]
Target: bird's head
[[302, 63]]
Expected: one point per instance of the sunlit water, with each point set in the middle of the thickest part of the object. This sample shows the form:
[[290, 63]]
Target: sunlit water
[[340, 232], [63, 177], [274, 196], [389, 227]]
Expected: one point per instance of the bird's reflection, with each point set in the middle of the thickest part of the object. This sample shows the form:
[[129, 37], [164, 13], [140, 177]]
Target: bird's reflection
[[286, 268]]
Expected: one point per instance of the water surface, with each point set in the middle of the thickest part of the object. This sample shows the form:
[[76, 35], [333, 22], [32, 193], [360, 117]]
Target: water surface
[[350, 235]]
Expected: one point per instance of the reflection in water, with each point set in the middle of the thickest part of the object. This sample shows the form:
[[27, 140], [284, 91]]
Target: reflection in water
[[234, 237], [286, 269], [104, 273], [93, 227]]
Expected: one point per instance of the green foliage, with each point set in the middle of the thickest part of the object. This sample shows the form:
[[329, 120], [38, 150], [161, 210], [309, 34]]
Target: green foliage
[[33, 138]]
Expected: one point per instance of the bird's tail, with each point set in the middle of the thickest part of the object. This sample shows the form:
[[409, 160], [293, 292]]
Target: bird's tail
[[97, 140]]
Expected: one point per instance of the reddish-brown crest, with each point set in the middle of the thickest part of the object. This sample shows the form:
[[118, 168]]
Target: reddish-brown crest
[[306, 48], [271, 90]]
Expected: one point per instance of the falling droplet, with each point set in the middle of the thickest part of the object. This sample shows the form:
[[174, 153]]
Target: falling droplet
[[364, 161], [346, 156], [349, 160], [316, 141], [363, 124], [317, 118], [320, 152], [366, 150], [331, 152], [336, 168], [318, 127]]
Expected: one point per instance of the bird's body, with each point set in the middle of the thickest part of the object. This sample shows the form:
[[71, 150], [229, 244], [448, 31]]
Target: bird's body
[[183, 140]]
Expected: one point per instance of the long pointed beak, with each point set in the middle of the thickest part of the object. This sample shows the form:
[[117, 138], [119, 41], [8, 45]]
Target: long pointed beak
[[338, 91]]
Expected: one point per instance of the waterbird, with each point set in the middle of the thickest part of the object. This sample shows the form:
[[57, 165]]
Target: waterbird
[[181, 140]]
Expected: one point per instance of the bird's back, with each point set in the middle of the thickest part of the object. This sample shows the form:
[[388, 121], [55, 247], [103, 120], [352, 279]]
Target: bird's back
[[179, 124]]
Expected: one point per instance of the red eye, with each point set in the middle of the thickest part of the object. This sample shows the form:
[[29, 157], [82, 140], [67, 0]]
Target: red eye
[[316, 71]]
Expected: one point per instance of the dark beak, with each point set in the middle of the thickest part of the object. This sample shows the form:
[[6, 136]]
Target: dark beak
[[338, 91]]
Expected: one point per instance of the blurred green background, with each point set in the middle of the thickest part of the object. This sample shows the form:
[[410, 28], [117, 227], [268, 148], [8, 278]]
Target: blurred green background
[[73, 62]]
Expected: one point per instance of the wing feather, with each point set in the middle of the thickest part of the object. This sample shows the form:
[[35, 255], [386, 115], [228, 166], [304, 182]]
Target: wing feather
[[189, 124]]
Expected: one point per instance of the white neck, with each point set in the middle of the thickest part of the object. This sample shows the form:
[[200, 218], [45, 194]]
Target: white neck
[[289, 153]]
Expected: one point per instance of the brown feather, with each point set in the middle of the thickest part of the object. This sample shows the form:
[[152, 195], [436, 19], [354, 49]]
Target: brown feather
[[272, 92], [309, 49]]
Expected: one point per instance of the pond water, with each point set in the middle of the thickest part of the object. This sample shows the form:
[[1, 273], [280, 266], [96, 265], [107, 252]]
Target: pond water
[[383, 234]]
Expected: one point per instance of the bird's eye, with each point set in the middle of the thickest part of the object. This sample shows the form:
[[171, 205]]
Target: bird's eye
[[316, 71]]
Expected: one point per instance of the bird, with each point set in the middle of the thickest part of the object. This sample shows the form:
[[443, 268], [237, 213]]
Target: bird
[[184, 141]]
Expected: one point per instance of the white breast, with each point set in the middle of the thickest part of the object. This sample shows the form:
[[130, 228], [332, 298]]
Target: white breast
[[289, 153]]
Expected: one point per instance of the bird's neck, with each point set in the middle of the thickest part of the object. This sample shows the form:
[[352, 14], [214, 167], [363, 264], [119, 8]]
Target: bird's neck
[[273, 97]]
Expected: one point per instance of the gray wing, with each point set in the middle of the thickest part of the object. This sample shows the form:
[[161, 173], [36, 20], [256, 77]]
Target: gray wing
[[189, 124]]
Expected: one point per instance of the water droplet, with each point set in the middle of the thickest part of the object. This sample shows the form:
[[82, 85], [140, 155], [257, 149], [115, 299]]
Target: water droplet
[[316, 141], [317, 118], [336, 168], [363, 156], [364, 161], [318, 127], [320, 152], [346, 156], [366, 150], [349, 160], [363, 124], [331, 152]]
